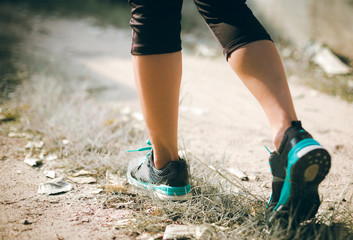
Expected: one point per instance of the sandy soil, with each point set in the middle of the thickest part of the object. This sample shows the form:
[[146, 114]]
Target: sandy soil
[[218, 116]]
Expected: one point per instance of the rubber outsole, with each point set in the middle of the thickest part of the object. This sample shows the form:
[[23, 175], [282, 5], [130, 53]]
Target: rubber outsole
[[308, 171], [178, 196]]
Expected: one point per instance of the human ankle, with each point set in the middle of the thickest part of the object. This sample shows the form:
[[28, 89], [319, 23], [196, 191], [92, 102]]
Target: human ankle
[[161, 159], [279, 133]]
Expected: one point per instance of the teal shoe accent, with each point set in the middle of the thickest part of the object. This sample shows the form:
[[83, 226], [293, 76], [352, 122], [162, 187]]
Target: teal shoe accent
[[292, 159]]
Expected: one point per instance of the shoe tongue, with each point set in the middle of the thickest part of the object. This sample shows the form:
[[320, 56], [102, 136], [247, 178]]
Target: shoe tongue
[[297, 124]]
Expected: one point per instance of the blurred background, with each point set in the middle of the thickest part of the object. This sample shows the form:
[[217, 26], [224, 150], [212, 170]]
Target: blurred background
[[312, 32]]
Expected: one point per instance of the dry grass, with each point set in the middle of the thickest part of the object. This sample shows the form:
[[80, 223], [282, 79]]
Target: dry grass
[[98, 137], [55, 104]]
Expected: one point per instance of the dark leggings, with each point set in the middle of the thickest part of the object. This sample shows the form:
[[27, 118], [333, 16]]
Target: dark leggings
[[156, 25]]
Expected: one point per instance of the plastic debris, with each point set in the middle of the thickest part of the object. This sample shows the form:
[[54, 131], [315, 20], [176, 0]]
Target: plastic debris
[[55, 186], [33, 144], [65, 141], [50, 174], [329, 62], [201, 232], [83, 180], [33, 162], [239, 174], [83, 173]]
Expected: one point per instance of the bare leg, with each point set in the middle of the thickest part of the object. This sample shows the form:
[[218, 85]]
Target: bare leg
[[158, 79], [260, 68]]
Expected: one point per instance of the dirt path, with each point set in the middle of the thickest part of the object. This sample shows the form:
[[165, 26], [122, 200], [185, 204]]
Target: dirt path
[[218, 118]]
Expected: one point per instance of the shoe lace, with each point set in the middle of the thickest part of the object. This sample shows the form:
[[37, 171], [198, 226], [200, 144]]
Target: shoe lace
[[149, 148]]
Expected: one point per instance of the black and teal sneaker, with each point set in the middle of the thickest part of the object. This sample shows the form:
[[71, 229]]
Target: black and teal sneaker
[[169, 183], [298, 167]]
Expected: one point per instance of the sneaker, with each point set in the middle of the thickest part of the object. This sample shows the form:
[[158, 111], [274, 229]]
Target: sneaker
[[298, 167], [169, 183]]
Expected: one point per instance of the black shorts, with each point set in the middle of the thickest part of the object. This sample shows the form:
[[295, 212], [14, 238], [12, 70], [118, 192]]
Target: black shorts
[[156, 25]]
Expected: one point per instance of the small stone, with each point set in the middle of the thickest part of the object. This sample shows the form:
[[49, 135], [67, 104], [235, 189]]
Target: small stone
[[83, 173], [55, 186], [83, 180], [26, 222], [50, 174], [254, 178], [33, 162], [178, 232]]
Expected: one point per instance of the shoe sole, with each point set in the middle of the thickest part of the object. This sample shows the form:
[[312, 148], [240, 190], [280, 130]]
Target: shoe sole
[[308, 164], [163, 192]]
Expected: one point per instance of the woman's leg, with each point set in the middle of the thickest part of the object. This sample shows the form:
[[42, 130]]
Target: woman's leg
[[158, 80], [260, 68]]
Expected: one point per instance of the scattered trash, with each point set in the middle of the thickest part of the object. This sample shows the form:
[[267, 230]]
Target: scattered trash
[[33, 144], [83, 173], [114, 188], [239, 174], [50, 174], [18, 171], [51, 157], [83, 180], [55, 186], [33, 162], [175, 231], [65, 141], [327, 60]]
